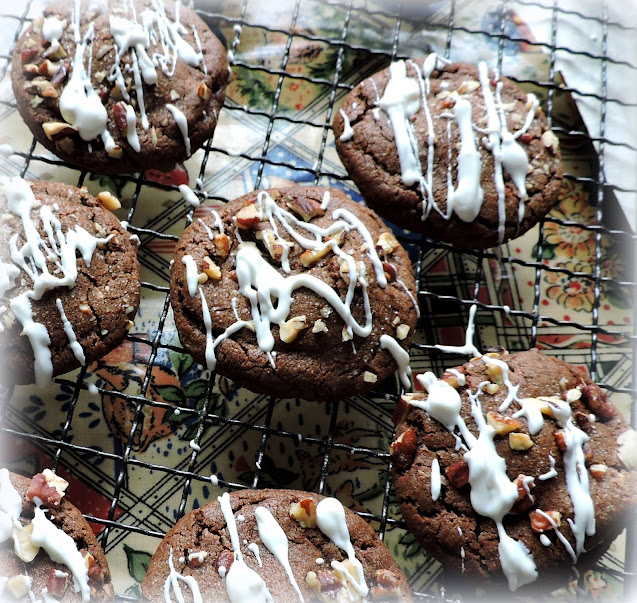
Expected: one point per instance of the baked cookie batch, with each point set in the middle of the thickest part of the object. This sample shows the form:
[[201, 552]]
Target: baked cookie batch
[[509, 469]]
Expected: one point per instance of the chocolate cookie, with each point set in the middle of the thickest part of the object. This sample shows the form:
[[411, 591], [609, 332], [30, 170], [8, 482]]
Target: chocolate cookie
[[513, 464], [305, 294], [450, 150], [46, 547], [120, 87], [69, 279], [276, 545]]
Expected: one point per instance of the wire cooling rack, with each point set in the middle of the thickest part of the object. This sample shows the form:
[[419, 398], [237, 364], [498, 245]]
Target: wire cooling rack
[[140, 434]]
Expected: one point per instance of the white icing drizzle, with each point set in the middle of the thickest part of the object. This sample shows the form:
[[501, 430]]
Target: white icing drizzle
[[61, 548], [211, 343], [532, 411], [435, 479], [401, 357], [275, 540], [61, 247], [189, 195], [194, 446], [460, 378], [52, 31], [253, 547], [182, 124], [401, 100], [468, 347], [243, 584], [38, 338], [172, 582], [561, 537], [512, 390], [206, 228], [348, 132], [76, 348], [544, 539], [192, 274], [8, 274], [327, 197], [214, 480], [10, 506], [80, 105], [466, 199], [330, 518], [217, 223], [131, 130]]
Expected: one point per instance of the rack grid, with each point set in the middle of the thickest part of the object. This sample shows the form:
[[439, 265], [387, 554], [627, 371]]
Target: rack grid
[[324, 48]]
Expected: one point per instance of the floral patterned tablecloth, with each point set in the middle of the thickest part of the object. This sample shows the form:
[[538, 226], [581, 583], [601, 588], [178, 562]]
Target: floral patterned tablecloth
[[547, 279]]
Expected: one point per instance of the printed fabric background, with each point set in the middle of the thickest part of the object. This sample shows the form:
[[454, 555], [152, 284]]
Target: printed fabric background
[[146, 434]]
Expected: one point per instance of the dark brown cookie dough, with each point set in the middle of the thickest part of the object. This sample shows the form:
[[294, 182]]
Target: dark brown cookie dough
[[205, 531], [451, 529], [162, 71], [319, 361], [41, 569], [366, 144], [98, 304]]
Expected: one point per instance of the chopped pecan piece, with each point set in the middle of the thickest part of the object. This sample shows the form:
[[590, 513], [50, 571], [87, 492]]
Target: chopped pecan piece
[[248, 217], [327, 586], [222, 245], [597, 400], [390, 272], [387, 243], [404, 448], [56, 130], [541, 523], [458, 474], [119, 115], [306, 208], [27, 54], [304, 512], [598, 471], [387, 585], [224, 559], [95, 572], [525, 499], [204, 92], [289, 330], [520, 441], [56, 584], [47, 487], [502, 424]]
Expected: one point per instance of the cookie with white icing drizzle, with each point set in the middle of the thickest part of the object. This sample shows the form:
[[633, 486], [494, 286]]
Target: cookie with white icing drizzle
[[514, 465], [450, 150], [297, 292], [273, 545], [120, 87], [69, 279], [48, 551]]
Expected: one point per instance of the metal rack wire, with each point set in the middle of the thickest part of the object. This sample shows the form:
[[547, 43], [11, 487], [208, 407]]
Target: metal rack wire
[[514, 325]]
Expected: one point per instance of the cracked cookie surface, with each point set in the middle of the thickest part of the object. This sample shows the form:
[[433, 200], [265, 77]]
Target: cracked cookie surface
[[241, 262], [444, 518], [200, 544], [445, 117], [98, 303]]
